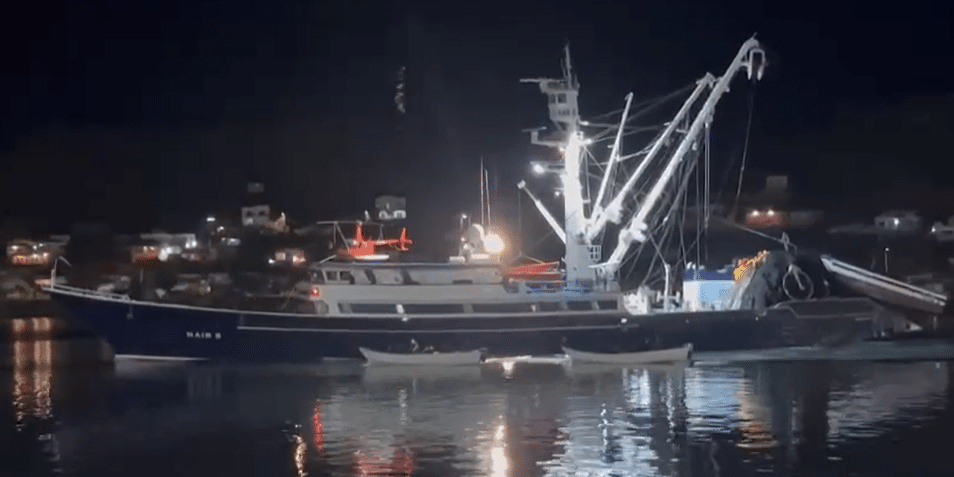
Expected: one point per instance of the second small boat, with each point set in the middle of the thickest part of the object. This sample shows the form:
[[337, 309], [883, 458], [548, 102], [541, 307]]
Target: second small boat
[[671, 355], [462, 358]]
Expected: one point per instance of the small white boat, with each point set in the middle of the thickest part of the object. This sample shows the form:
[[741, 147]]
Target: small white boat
[[422, 359], [670, 355]]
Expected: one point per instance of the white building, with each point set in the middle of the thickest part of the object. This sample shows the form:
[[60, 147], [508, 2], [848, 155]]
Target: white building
[[391, 207], [255, 209], [169, 245], [898, 221]]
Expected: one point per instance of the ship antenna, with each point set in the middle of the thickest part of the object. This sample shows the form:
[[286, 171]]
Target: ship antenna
[[487, 194], [482, 223], [567, 66]]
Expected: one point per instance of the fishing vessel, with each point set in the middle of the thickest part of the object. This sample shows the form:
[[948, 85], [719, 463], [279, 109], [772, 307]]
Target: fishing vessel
[[781, 299]]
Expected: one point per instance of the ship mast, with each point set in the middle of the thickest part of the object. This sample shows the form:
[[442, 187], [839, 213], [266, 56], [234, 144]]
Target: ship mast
[[562, 94]]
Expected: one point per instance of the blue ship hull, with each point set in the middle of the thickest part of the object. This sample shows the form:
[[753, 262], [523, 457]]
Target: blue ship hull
[[161, 330]]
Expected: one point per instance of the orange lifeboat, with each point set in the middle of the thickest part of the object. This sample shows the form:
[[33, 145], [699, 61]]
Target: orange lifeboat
[[546, 271], [364, 249]]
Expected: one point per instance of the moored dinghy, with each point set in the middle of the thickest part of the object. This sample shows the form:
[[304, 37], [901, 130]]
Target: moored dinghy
[[462, 358], [671, 355]]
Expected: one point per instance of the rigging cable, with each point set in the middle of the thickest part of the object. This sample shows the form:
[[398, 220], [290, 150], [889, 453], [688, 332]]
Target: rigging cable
[[636, 112], [745, 152], [651, 102], [691, 167], [707, 197], [760, 234], [682, 226], [667, 228], [698, 216]]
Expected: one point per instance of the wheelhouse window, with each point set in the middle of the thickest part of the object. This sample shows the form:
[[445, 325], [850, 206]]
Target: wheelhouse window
[[579, 305], [502, 308], [433, 308], [338, 276]]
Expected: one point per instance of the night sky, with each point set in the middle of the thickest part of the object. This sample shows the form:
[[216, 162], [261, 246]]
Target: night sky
[[151, 113]]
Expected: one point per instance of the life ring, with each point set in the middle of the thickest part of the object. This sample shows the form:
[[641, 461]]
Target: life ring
[[796, 284]]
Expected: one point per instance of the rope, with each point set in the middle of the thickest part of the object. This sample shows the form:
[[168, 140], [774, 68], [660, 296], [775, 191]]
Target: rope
[[795, 272], [698, 219], [745, 151], [783, 241], [666, 230], [707, 196], [635, 113], [651, 102]]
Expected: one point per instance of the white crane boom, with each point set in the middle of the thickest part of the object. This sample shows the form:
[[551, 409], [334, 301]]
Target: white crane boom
[[613, 158], [635, 229], [544, 212], [613, 211]]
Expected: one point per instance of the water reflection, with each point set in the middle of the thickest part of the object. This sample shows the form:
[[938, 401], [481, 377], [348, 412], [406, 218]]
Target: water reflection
[[32, 362], [31, 371], [503, 421]]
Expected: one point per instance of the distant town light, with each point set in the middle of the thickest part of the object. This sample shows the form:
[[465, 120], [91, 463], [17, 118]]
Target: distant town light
[[210, 219]]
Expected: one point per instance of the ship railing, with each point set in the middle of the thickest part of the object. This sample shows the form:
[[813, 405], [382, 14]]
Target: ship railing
[[52, 287], [560, 286], [543, 287]]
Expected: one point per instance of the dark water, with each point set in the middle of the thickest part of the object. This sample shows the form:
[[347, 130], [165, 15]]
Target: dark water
[[146, 419]]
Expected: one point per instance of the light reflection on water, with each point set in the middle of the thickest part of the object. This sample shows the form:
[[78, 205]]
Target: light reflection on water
[[30, 375], [527, 420]]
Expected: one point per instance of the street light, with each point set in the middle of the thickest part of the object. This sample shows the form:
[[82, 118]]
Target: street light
[[542, 167], [493, 243]]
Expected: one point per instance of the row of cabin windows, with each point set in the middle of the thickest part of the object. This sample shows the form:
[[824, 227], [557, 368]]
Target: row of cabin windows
[[336, 276], [446, 309], [332, 276]]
